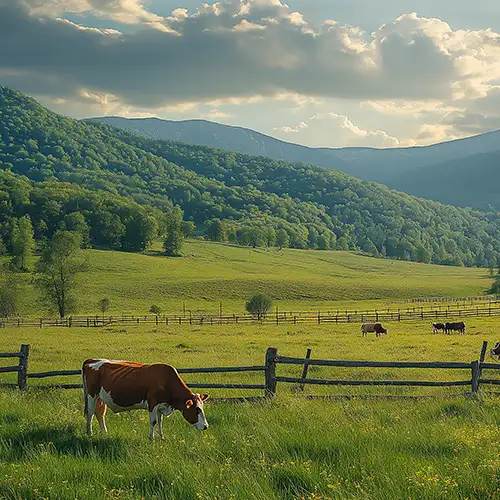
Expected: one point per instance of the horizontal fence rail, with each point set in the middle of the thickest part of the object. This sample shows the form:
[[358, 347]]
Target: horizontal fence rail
[[422, 383], [414, 313], [271, 378], [371, 364]]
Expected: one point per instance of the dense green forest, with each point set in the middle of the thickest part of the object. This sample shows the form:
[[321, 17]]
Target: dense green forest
[[119, 189]]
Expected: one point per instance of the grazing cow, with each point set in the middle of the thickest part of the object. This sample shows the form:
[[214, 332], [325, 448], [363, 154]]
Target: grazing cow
[[373, 327], [437, 326], [123, 386], [458, 326], [495, 351]]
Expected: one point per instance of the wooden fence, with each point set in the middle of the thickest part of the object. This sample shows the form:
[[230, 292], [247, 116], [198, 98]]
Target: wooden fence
[[271, 378], [278, 317]]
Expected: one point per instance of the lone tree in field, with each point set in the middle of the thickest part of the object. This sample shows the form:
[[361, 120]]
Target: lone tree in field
[[57, 271], [9, 294], [495, 288], [259, 304], [22, 243], [175, 237], [104, 305], [154, 309]]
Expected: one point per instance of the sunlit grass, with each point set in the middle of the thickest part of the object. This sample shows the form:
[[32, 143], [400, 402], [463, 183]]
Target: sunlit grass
[[210, 273]]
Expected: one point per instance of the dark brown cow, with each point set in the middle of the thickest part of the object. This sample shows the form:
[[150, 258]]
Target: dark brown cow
[[373, 327], [495, 351], [124, 385], [438, 326], [458, 326]]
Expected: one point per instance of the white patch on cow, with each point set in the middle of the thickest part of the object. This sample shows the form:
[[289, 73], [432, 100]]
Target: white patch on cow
[[91, 404], [97, 364], [202, 423], [155, 418], [108, 400]]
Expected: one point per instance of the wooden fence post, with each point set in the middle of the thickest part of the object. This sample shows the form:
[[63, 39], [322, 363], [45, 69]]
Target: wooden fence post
[[482, 356], [475, 377], [23, 366], [270, 390], [305, 370]]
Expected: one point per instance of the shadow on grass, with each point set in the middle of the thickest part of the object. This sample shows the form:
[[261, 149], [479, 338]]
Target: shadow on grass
[[9, 419], [60, 441], [292, 483], [158, 486]]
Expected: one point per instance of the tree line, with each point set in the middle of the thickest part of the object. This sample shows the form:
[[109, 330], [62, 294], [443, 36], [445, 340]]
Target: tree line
[[128, 188]]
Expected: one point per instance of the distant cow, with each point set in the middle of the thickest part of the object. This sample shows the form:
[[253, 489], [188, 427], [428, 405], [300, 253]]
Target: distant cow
[[373, 327], [458, 326], [123, 386], [495, 351], [437, 326]]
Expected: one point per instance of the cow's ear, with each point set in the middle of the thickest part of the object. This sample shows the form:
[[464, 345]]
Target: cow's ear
[[203, 397], [189, 403]]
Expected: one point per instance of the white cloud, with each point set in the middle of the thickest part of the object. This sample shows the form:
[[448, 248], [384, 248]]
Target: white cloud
[[326, 128], [443, 81]]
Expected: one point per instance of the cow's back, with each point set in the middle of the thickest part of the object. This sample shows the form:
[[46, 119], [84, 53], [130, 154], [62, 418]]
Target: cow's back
[[127, 383]]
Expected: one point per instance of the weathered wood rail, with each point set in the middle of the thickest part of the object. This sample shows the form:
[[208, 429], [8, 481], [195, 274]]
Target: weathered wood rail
[[271, 378], [278, 317]]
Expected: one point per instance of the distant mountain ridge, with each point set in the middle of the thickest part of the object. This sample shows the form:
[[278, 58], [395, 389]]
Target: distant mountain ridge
[[397, 168]]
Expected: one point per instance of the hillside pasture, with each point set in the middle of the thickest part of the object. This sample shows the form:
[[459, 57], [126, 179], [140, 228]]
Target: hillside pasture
[[211, 273], [442, 447]]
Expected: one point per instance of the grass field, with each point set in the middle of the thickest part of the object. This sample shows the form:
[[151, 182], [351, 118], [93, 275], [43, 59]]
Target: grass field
[[444, 446], [210, 273], [286, 449]]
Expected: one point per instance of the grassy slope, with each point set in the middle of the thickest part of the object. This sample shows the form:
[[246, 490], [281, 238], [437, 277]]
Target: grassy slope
[[291, 448], [299, 279]]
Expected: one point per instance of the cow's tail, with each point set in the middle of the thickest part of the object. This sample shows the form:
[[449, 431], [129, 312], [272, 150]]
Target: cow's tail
[[84, 381]]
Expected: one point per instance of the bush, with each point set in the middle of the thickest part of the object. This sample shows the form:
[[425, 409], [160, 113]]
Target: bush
[[259, 305], [495, 288], [9, 296], [104, 305], [154, 309]]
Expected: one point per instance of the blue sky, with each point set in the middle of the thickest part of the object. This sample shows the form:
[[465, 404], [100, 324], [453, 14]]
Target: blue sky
[[382, 73]]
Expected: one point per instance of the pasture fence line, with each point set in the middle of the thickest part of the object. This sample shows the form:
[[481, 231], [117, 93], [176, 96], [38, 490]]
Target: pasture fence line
[[271, 378], [465, 300], [278, 317]]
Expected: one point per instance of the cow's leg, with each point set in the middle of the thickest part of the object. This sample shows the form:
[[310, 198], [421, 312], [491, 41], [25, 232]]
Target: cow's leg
[[91, 404], [100, 412], [160, 429], [153, 420]]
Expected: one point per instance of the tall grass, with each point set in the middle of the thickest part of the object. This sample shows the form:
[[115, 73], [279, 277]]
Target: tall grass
[[285, 449], [281, 450]]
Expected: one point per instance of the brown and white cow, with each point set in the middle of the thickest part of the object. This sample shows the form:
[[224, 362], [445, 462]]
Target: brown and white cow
[[124, 385], [373, 327]]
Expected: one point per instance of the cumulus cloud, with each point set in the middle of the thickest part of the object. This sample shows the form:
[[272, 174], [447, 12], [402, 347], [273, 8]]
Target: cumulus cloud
[[326, 128], [122, 11], [238, 49], [242, 50]]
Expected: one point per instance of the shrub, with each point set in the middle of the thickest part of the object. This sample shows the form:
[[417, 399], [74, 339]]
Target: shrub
[[259, 304], [154, 309]]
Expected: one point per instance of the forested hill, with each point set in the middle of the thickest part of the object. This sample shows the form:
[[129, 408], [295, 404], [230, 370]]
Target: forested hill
[[470, 181], [398, 168], [255, 197]]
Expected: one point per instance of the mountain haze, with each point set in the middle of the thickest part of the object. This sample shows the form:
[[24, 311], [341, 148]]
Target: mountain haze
[[399, 168]]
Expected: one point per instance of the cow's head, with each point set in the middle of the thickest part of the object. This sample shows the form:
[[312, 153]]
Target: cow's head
[[495, 351], [193, 411]]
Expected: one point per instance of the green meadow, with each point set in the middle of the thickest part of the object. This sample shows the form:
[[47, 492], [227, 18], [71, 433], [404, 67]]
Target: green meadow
[[211, 273], [444, 444]]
